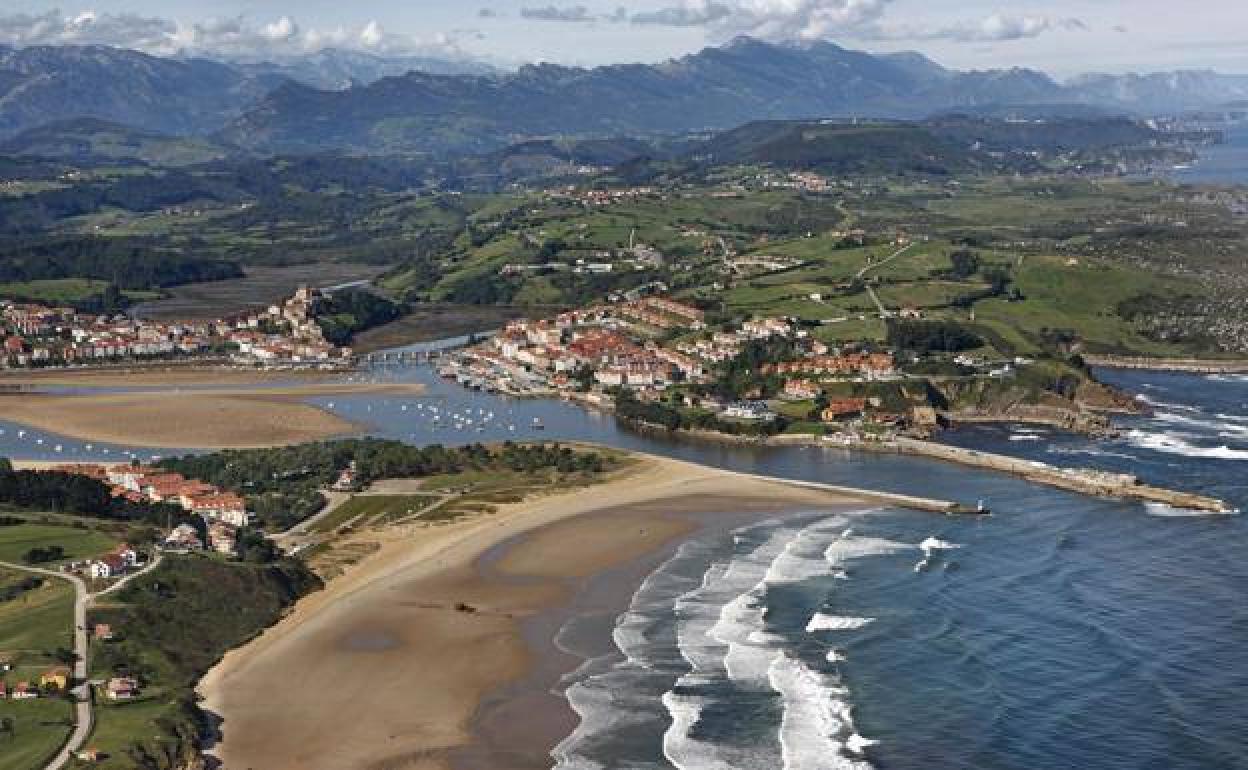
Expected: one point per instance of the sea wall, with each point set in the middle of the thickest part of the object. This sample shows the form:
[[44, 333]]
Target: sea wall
[[1083, 480], [1193, 365]]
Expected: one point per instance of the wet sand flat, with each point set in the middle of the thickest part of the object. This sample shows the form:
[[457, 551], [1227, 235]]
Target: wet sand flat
[[387, 667], [226, 418]]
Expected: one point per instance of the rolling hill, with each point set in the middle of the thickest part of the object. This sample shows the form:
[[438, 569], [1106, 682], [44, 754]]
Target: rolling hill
[[92, 141]]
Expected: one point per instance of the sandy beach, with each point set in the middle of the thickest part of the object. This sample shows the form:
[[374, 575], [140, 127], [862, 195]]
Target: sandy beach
[[160, 376], [223, 418], [382, 670]]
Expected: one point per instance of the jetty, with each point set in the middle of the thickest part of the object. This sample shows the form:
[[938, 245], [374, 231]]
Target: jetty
[[1087, 481], [913, 502], [1191, 365]]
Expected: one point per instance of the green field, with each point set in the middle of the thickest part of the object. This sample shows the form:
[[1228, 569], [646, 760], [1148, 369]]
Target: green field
[[119, 724], [15, 541], [53, 292], [40, 728], [35, 624], [364, 510], [32, 627]]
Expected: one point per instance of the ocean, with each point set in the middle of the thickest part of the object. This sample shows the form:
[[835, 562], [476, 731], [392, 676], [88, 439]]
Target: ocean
[[1061, 632], [1226, 163]]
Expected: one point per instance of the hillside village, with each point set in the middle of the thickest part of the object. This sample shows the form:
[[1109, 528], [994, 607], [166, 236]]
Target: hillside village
[[657, 349], [285, 333]]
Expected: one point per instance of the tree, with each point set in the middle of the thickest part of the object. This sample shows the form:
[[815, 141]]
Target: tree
[[39, 555], [965, 264], [66, 656]]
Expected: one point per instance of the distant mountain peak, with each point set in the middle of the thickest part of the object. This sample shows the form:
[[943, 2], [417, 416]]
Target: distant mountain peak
[[368, 103]]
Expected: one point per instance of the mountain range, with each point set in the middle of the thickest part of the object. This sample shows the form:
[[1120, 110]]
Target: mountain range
[[336, 68], [337, 100]]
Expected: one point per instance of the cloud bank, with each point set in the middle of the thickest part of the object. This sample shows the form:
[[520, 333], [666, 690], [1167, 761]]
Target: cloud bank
[[807, 20], [235, 36]]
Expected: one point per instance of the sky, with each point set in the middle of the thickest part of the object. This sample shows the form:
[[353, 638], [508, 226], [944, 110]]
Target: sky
[[1062, 37]]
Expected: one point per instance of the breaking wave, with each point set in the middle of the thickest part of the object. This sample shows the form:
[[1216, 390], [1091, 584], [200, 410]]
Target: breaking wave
[[1176, 444], [701, 668]]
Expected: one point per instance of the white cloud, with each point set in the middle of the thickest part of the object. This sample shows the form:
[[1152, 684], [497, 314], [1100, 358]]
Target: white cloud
[[234, 36], [999, 27], [576, 13], [775, 20], [695, 13], [283, 29], [804, 20], [372, 35]]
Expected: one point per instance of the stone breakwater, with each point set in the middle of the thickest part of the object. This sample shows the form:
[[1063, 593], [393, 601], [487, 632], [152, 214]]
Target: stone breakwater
[[1088, 481], [1085, 480], [870, 495], [1193, 365]]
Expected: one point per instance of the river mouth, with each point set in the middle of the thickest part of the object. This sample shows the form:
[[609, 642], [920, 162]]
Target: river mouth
[[1059, 611]]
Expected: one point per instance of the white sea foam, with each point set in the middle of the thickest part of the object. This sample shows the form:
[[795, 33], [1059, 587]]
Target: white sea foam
[[1092, 452], [935, 544], [721, 632], [717, 616], [816, 716], [928, 547], [1026, 437], [1161, 509], [1171, 443], [842, 550], [824, 622], [1219, 426], [1168, 404], [613, 695], [680, 748]]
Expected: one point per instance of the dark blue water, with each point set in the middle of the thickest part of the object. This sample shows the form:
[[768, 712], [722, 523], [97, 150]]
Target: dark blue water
[[1225, 163], [1062, 632]]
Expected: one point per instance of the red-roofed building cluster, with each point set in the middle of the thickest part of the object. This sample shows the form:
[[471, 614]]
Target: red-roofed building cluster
[[868, 365], [284, 333], [224, 512]]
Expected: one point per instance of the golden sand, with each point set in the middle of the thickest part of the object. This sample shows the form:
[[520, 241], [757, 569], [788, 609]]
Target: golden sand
[[380, 670], [225, 418], [174, 376]]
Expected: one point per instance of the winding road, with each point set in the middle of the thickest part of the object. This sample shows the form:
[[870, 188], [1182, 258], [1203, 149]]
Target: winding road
[[868, 268], [82, 708], [84, 715]]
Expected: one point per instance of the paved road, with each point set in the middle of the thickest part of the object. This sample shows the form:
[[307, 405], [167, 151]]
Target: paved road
[[83, 691], [333, 499], [866, 269], [152, 564], [879, 305], [83, 712], [299, 536]]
